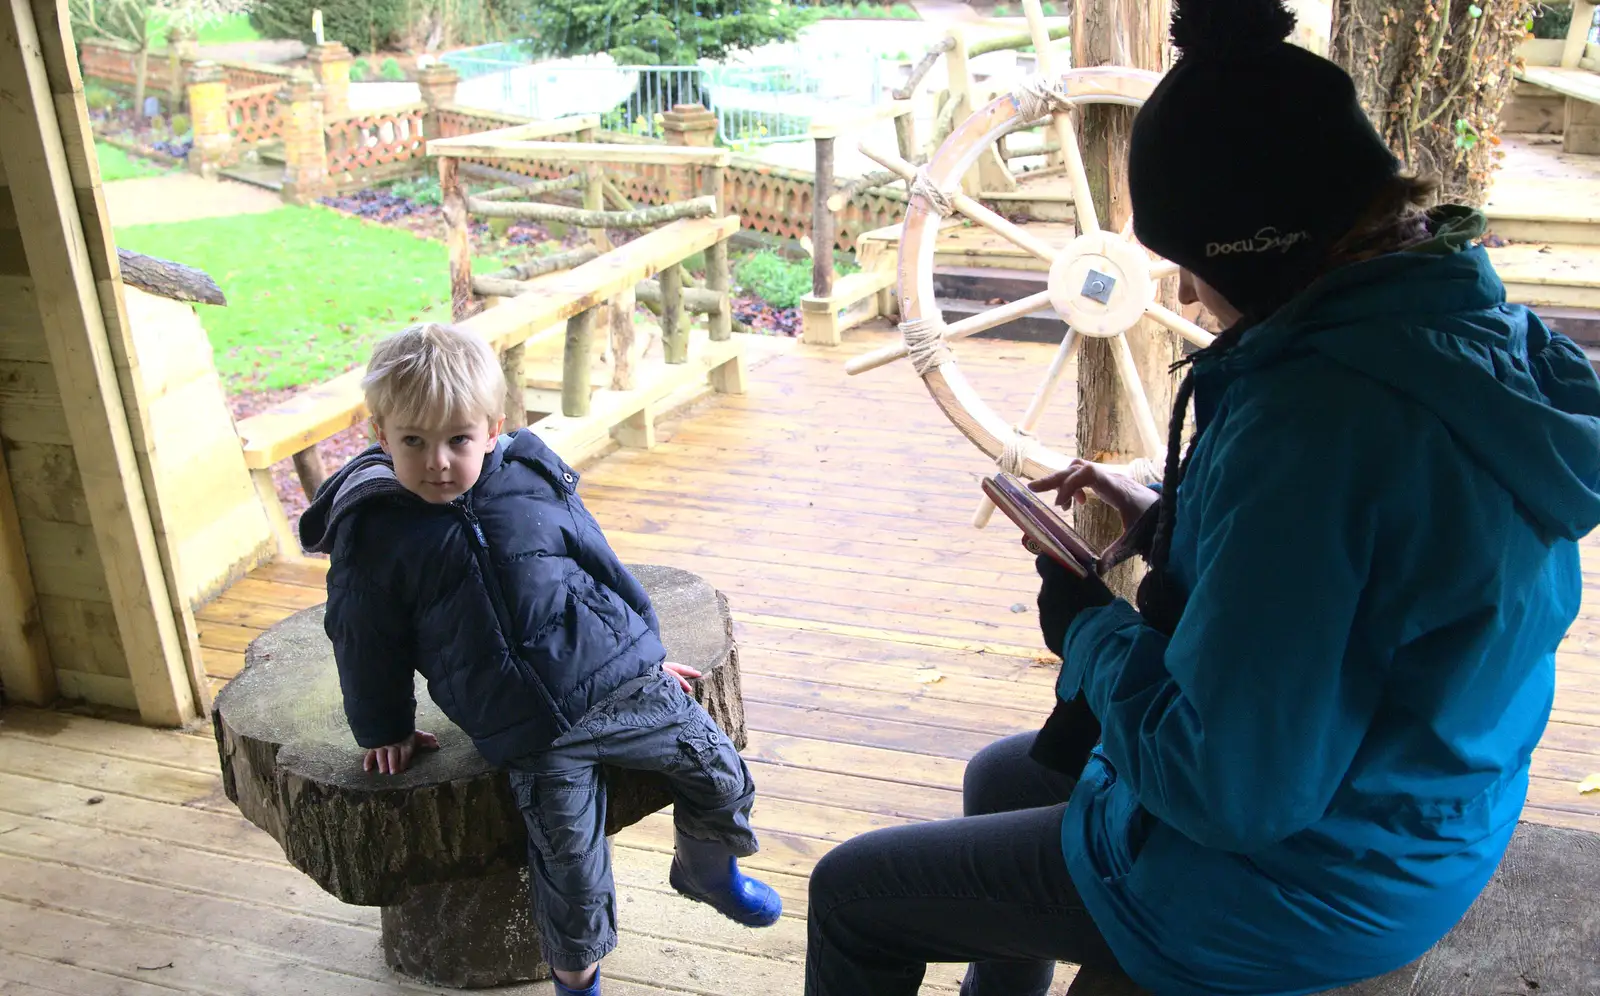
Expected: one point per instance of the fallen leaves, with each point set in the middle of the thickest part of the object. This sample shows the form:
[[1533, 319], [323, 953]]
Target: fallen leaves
[[928, 676], [1590, 785]]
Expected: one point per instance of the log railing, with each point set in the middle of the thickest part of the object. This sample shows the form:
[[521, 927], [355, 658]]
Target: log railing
[[566, 293]]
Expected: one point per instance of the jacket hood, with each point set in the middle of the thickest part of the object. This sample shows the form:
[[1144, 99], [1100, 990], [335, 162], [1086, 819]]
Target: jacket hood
[[1433, 324]]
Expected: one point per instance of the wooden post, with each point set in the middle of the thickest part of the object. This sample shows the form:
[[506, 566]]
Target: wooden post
[[594, 191], [718, 279], [511, 363], [25, 670], [1134, 33], [457, 240], [905, 136], [308, 466], [990, 172], [1577, 36], [674, 320], [622, 336], [822, 222], [575, 365]]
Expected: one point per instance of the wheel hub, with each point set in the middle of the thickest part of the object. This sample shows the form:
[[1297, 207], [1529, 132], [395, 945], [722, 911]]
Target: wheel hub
[[1100, 284]]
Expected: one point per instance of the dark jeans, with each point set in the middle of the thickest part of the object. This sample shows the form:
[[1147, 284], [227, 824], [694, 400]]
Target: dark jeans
[[991, 888], [649, 725]]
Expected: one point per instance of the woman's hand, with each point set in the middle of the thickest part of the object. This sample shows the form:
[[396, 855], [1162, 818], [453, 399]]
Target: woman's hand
[[395, 758], [683, 673], [1121, 492]]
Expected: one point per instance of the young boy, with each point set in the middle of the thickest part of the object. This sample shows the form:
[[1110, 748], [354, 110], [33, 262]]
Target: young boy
[[468, 556]]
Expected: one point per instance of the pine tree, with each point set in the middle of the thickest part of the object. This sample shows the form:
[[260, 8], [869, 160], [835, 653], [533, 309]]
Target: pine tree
[[662, 32]]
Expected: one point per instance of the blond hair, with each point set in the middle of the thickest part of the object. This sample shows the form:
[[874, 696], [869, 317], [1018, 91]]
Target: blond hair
[[434, 375]]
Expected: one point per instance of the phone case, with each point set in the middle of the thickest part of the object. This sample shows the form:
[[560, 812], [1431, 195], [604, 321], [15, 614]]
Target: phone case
[[1043, 528]]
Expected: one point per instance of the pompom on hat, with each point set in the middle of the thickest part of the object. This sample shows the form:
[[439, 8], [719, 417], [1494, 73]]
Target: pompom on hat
[[1252, 157]]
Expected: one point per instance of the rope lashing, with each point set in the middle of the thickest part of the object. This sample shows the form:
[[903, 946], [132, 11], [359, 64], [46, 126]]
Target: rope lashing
[[1036, 98], [925, 344], [1019, 446], [939, 200]]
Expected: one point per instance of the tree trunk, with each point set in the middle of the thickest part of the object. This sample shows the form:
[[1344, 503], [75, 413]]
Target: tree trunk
[[1106, 431], [141, 75], [1432, 77]]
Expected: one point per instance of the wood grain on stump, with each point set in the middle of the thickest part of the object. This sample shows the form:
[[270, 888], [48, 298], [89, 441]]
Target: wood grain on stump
[[292, 767]]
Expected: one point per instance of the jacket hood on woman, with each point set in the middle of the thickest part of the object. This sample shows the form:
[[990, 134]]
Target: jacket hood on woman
[[1310, 781]]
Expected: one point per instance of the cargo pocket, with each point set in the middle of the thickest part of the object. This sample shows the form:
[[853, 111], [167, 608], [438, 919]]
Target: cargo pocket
[[706, 754]]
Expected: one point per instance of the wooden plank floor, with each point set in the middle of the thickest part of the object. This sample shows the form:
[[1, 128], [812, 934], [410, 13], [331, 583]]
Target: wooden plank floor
[[833, 512]]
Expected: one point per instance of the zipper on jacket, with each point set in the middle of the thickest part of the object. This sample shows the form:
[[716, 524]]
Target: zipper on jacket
[[491, 581]]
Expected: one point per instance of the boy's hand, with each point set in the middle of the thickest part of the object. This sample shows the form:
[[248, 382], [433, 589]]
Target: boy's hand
[[395, 758], [683, 673]]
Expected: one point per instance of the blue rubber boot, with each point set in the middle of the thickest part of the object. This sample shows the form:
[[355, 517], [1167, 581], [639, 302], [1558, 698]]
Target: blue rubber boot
[[708, 872], [592, 989]]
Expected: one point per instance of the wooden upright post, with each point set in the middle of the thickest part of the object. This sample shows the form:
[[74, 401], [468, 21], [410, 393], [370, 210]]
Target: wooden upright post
[[457, 240], [1134, 33], [822, 222]]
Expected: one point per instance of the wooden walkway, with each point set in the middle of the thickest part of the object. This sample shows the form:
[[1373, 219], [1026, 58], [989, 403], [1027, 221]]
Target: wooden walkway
[[883, 641]]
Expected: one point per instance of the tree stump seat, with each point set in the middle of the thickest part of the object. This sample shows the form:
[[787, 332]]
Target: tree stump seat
[[441, 847], [1535, 929]]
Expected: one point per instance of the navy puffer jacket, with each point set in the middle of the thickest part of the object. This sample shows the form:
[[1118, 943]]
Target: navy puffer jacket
[[508, 600]]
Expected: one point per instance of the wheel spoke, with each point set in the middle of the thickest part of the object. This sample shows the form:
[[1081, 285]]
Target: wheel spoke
[[1082, 196], [983, 321], [969, 207], [1036, 408], [1143, 419], [1161, 269], [1179, 324]]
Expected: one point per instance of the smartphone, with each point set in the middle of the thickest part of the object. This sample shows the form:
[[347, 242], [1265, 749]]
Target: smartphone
[[1044, 530]]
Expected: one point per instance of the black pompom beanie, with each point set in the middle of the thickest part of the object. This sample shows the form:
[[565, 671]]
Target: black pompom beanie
[[1252, 157]]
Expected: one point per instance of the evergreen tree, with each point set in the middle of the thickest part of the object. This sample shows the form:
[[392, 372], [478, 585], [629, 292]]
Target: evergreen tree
[[662, 32]]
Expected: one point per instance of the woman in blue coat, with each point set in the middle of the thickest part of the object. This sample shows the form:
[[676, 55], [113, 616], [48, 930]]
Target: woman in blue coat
[[1311, 738]]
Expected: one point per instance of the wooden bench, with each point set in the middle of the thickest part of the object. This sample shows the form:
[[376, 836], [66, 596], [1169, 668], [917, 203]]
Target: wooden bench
[[1534, 931], [294, 427]]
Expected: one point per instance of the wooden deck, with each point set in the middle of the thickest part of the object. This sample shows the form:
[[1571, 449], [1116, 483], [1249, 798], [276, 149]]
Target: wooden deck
[[883, 641]]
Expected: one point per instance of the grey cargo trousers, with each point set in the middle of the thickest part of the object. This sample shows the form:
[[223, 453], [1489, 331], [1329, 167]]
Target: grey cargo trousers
[[649, 724]]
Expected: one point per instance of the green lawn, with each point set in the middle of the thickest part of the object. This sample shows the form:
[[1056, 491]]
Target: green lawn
[[309, 290], [118, 165], [218, 31]]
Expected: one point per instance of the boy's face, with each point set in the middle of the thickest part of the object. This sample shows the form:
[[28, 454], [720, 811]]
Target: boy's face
[[439, 463]]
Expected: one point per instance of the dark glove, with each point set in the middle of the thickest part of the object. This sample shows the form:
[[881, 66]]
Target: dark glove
[[1066, 739], [1062, 596]]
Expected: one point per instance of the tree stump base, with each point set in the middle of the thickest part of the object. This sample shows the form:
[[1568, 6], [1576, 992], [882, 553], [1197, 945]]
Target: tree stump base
[[442, 847]]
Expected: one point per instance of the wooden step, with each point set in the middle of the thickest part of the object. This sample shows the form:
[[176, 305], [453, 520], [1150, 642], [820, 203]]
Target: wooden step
[[1561, 210], [1550, 275]]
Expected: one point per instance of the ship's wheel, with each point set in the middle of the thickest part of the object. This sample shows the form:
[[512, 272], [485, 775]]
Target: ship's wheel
[[1100, 284]]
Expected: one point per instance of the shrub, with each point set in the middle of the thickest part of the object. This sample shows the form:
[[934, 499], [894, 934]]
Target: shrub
[[779, 282], [421, 189], [903, 12], [360, 70], [391, 70], [866, 9], [1048, 9], [99, 98], [1001, 10], [181, 124]]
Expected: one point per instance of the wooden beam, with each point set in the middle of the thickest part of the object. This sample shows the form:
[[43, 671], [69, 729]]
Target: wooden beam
[[457, 240], [582, 152], [25, 670], [38, 74], [530, 131]]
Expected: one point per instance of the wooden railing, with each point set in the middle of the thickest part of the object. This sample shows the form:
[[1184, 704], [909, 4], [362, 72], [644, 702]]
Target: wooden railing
[[546, 297], [372, 139], [255, 115]]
